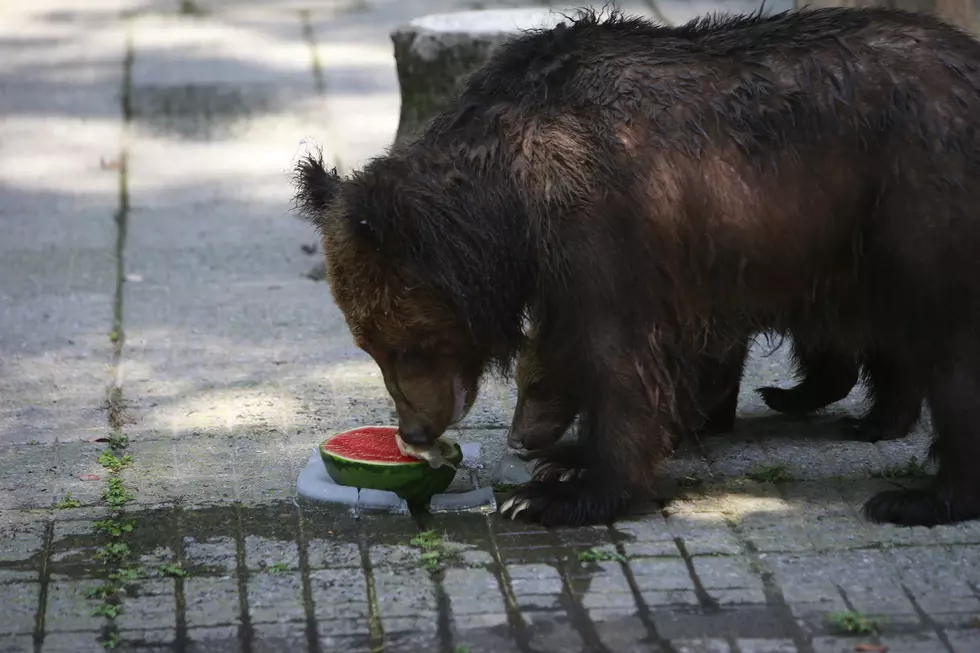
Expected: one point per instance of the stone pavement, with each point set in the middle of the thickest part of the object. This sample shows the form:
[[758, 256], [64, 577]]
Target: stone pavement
[[166, 369]]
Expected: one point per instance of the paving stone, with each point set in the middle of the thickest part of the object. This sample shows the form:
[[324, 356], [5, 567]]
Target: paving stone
[[153, 476], [153, 607], [552, 631], [833, 532], [275, 597], [206, 471], [731, 456], [16, 644], [659, 579], [837, 644], [211, 602], [603, 590], [15, 576], [260, 461], [964, 641], [223, 639], [73, 547], [406, 601], [262, 553], [705, 534], [700, 645], [492, 639], [535, 587], [83, 642], [353, 644], [332, 554], [921, 643], [766, 646], [645, 537], [341, 596], [769, 533], [933, 576], [70, 609], [20, 541], [474, 592], [28, 484], [810, 458], [281, 636], [394, 556], [730, 579], [218, 553], [625, 634], [22, 599], [859, 574], [144, 640]]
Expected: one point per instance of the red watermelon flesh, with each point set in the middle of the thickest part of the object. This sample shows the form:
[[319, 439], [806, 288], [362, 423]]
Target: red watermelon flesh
[[368, 457], [374, 444]]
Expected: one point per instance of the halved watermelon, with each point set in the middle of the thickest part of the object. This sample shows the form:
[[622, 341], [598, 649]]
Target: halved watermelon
[[368, 457]]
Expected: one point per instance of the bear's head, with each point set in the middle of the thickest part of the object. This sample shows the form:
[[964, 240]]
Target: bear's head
[[423, 303]]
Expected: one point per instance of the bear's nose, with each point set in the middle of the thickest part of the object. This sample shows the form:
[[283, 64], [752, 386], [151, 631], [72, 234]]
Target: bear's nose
[[416, 436]]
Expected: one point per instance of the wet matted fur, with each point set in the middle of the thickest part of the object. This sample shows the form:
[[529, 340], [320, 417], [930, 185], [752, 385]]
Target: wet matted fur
[[649, 196]]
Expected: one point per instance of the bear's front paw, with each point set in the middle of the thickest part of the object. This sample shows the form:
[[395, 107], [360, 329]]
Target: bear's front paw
[[929, 507], [551, 470], [562, 462], [575, 501]]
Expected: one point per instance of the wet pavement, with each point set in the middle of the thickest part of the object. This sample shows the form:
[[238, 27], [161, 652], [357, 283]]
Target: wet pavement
[[166, 369]]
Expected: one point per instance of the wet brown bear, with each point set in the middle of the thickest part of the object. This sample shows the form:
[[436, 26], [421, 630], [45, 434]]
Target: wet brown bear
[[547, 406], [649, 196]]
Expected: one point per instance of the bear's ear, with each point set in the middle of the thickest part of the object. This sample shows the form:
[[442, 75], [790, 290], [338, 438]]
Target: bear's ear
[[315, 187]]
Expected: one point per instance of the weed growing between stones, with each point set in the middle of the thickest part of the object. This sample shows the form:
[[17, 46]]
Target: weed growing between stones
[[912, 468], [114, 528], [853, 623], [598, 555], [277, 568], [115, 463], [115, 554], [434, 550], [770, 474], [172, 570], [68, 502]]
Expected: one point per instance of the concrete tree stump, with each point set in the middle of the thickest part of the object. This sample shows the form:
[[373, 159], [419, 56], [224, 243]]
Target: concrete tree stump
[[435, 54]]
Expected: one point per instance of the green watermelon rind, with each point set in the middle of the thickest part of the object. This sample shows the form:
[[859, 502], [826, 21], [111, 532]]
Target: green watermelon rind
[[410, 481]]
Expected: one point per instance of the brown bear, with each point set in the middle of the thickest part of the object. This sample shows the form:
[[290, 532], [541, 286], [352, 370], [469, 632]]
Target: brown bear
[[649, 197], [546, 407]]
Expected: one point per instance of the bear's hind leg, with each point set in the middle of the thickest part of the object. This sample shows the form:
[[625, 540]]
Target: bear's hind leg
[[828, 376], [720, 382], [953, 395], [895, 394]]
